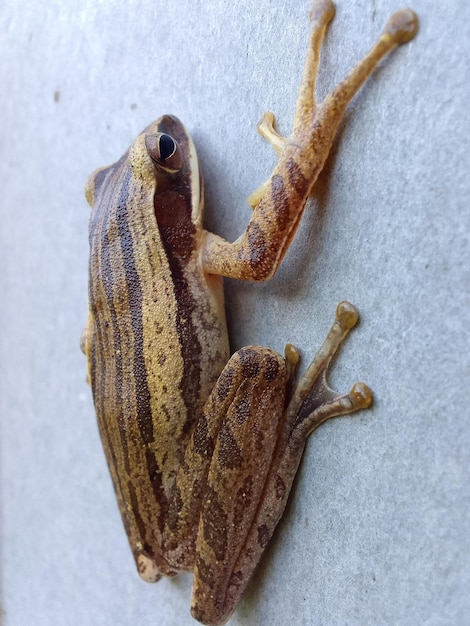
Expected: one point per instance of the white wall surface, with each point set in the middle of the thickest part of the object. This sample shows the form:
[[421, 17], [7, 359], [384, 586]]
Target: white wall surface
[[377, 530]]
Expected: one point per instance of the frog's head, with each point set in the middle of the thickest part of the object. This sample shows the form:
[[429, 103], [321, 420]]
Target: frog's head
[[167, 154]]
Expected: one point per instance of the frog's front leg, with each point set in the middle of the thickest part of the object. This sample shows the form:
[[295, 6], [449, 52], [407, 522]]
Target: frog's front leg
[[254, 452], [279, 203]]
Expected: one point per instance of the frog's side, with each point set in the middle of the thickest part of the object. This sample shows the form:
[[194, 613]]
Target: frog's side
[[203, 449]]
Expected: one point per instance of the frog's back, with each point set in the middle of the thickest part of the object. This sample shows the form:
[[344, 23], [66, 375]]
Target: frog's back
[[156, 339]]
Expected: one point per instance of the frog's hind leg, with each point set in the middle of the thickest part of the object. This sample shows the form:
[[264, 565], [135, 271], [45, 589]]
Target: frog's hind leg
[[249, 394], [312, 403]]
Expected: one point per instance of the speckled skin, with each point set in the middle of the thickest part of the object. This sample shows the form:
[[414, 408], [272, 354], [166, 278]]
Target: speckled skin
[[203, 449]]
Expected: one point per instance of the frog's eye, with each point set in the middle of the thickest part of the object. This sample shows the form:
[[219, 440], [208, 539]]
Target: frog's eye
[[164, 151]]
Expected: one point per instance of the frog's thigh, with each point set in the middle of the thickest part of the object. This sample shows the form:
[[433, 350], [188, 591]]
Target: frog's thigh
[[254, 383]]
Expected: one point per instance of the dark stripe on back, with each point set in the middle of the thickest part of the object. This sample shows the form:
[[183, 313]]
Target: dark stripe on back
[[144, 415], [173, 207]]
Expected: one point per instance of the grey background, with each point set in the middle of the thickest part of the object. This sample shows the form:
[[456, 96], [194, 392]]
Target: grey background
[[377, 529]]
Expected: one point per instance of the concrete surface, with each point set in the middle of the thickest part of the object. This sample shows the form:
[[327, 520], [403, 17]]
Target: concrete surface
[[378, 527]]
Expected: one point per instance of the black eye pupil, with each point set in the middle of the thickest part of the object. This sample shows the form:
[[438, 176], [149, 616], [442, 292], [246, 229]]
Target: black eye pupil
[[167, 146]]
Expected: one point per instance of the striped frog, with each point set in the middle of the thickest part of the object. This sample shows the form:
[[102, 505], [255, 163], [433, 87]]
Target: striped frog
[[203, 448]]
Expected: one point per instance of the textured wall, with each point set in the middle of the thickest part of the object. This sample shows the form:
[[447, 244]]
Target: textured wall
[[377, 529]]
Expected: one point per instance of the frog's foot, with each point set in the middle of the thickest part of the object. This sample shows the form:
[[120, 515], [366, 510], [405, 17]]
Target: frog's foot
[[313, 401], [147, 568], [266, 129], [321, 13], [292, 357], [401, 27]]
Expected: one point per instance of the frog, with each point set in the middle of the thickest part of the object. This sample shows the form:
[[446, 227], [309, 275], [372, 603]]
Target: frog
[[203, 446]]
